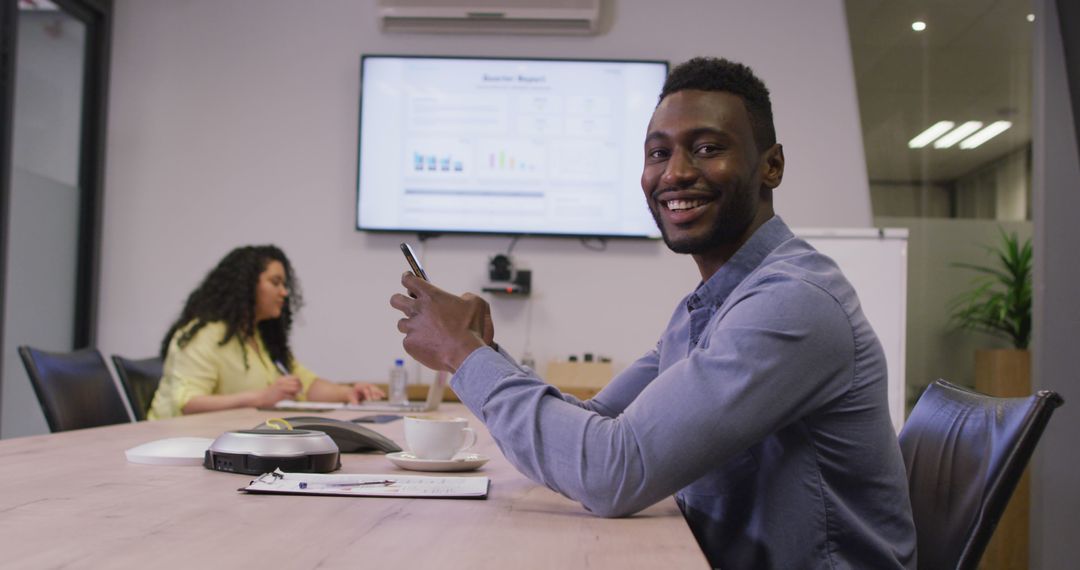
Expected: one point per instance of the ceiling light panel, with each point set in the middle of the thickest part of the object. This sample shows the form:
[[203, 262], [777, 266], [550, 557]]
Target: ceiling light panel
[[958, 134], [926, 137], [992, 130]]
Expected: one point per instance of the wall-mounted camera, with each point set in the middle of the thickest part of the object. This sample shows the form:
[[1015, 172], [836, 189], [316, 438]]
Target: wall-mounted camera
[[500, 268], [505, 279]]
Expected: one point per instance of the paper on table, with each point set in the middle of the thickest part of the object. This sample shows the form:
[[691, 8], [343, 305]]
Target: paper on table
[[369, 485], [293, 405]]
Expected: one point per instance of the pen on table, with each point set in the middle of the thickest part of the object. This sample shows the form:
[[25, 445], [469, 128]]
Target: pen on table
[[386, 483]]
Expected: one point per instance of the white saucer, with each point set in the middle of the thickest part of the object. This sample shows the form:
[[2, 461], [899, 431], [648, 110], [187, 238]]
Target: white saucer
[[460, 462]]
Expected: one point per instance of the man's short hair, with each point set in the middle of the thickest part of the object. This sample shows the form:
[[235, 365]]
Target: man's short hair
[[719, 74]]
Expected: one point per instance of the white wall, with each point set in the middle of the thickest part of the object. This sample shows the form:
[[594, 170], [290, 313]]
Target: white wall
[[235, 122]]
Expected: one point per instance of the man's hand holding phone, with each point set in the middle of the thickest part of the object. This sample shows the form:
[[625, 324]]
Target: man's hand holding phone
[[441, 329]]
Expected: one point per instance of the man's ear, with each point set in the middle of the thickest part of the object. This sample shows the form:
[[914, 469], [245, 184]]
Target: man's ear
[[772, 166]]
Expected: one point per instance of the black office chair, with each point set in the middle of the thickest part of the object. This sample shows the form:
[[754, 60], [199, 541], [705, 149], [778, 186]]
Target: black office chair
[[140, 380], [965, 453], [75, 389]]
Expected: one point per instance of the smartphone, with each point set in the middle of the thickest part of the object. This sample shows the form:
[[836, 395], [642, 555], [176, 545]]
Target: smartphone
[[414, 263]]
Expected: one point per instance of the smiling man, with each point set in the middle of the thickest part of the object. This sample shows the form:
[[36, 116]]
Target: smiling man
[[763, 406]]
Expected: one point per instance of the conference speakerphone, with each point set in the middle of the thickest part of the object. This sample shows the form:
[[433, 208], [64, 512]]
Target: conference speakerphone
[[258, 451]]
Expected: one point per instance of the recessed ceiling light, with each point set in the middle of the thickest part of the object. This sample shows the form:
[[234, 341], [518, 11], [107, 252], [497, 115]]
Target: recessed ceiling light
[[958, 134], [918, 25], [992, 130], [926, 137], [1031, 17]]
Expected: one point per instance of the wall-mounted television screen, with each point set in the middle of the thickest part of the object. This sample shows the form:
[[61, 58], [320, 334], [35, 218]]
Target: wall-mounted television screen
[[505, 146]]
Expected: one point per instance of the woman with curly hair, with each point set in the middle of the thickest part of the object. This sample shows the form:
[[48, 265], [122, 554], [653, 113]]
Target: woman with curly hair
[[230, 346]]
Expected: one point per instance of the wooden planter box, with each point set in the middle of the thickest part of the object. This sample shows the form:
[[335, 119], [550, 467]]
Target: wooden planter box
[[1006, 373]]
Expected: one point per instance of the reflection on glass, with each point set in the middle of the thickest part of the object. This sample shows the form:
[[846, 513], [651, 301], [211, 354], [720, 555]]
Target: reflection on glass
[[946, 123], [944, 94]]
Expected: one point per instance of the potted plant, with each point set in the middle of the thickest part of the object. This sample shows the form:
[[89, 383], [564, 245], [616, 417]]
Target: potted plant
[[999, 303]]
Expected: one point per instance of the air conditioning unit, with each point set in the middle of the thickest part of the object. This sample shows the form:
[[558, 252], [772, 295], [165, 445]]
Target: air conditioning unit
[[555, 17]]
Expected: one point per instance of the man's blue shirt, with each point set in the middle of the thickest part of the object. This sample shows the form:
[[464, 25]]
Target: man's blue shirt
[[763, 409]]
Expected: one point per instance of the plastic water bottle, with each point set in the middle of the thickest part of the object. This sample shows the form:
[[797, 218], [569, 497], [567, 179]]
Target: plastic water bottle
[[398, 379]]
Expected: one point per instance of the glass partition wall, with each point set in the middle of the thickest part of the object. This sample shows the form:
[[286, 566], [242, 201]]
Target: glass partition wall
[[944, 92]]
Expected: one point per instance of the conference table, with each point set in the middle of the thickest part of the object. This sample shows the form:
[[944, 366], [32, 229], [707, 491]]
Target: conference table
[[73, 500]]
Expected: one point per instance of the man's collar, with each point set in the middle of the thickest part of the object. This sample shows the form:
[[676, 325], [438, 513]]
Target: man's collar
[[766, 239]]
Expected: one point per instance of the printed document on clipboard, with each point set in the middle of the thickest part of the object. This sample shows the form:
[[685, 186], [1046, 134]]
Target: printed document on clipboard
[[370, 485]]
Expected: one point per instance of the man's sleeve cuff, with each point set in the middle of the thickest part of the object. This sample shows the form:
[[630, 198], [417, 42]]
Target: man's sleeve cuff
[[478, 376]]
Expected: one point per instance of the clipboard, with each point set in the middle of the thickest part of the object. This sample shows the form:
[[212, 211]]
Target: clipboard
[[279, 482]]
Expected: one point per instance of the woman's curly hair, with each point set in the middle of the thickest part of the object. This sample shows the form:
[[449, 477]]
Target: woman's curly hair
[[227, 294]]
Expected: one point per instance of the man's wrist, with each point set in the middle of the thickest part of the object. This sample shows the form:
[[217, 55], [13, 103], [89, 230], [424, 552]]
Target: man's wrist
[[465, 350]]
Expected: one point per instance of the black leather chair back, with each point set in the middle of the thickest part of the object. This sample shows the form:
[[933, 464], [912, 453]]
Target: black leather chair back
[[75, 389], [140, 379], [964, 453]]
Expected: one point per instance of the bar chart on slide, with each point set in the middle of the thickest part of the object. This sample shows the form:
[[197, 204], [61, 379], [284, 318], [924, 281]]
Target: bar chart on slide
[[503, 161], [447, 160], [437, 163], [436, 158], [511, 158]]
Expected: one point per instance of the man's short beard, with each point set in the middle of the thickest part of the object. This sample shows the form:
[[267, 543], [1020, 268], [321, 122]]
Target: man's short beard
[[730, 226]]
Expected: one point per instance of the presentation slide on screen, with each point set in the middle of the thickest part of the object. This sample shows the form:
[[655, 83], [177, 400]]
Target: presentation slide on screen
[[521, 146]]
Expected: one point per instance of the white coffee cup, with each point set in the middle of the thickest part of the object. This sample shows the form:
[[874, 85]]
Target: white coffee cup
[[438, 437]]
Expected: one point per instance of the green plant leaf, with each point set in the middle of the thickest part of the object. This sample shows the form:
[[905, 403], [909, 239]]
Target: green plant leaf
[[999, 301]]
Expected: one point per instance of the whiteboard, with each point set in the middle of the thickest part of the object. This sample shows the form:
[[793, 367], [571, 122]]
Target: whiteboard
[[875, 262]]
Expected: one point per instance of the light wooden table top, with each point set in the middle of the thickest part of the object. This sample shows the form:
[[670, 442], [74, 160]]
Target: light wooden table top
[[72, 500]]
